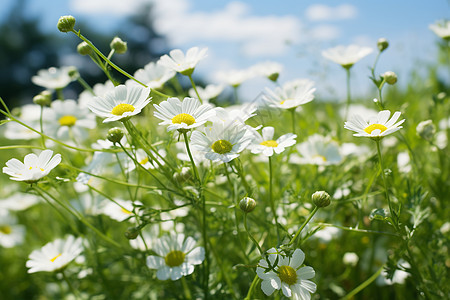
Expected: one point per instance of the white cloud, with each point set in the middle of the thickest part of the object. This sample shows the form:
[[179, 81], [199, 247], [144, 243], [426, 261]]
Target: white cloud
[[325, 32], [257, 35], [321, 12], [116, 8]]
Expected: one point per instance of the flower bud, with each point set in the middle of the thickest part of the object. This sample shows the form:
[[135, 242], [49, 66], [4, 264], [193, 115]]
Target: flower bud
[[390, 77], [84, 49], [273, 77], [115, 135], [321, 199], [44, 98], [132, 233], [118, 45], [247, 204], [426, 130], [73, 73], [66, 23], [382, 44]]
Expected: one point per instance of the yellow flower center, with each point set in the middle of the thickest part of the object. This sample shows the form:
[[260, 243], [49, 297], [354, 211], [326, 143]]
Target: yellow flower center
[[54, 258], [183, 118], [222, 146], [287, 274], [144, 161], [31, 168], [5, 229], [321, 157], [126, 211], [373, 127], [174, 258], [122, 108], [270, 143], [67, 120]]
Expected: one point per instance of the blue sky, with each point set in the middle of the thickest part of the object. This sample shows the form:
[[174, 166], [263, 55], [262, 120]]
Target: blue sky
[[239, 34]]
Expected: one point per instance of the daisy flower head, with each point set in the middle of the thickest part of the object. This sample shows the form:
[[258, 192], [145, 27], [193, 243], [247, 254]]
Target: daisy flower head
[[268, 69], [120, 103], [235, 78], [318, 150], [181, 63], [153, 75], [223, 141], [65, 116], [54, 78], [376, 127], [120, 210], [183, 115], [33, 167], [266, 145], [346, 56], [238, 113], [11, 233], [207, 93], [176, 256], [280, 271], [55, 255], [441, 29], [292, 94]]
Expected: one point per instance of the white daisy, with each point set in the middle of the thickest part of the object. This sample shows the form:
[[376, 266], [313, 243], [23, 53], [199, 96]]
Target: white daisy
[[268, 69], [287, 275], [223, 141], [29, 114], [66, 117], [184, 64], [55, 255], [98, 90], [207, 93], [120, 103], [291, 94], [176, 256], [120, 210], [350, 259], [11, 233], [143, 159], [266, 145], [153, 75], [235, 113], [346, 56], [317, 150], [235, 78], [183, 115], [53, 78], [441, 29], [33, 168], [18, 201], [376, 127]]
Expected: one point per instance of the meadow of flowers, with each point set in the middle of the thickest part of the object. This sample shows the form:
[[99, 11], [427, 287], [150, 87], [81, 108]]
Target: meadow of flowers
[[145, 189]]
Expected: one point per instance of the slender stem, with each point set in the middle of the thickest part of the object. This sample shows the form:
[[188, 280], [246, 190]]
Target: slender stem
[[316, 208], [72, 289], [191, 158], [348, 93], [363, 285], [4, 105], [195, 88], [380, 94], [85, 85], [60, 94], [235, 92], [250, 235], [293, 120], [41, 125], [272, 203], [78, 216], [391, 210], [187, 292], [375, 64], [252, 288], [20, 147]]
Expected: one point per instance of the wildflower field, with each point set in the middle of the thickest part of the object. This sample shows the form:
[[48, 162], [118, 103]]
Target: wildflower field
[[145, 188]]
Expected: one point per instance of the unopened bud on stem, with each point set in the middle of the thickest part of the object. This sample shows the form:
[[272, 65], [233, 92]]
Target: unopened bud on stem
[[382, 44], [115, 135], [66, 23], [321, 199], [118, 45], [247, 204]]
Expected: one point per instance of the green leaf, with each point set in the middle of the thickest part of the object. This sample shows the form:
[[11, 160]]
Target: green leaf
[[379, 214]]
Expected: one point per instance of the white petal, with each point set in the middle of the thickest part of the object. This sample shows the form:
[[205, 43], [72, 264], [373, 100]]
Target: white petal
[[267, 288]]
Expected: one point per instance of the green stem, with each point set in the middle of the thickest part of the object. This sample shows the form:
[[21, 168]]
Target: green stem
[[250, 235], [348, 93], [41, 125], [60, 94], [195, 88], [293, 119], [252, 288], [272, 203], [191, 158], [316, 208], [187, 292], [85, 85], [72, 289], [391, 210], [363, 285]]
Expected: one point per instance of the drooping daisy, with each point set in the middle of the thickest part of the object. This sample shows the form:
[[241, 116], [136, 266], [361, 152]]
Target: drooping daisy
[[376, 127], [441, 29], [287, 275], [153, 75], [317, 150], [291, 94], [268, 69], [207, 93], [53, 78], [33, 168], [66, 117], [346, 56], [55, 255], [183, 64], [266, 145], [11, 233], [223, 141], [176, 258], [120, 210], [120, 103], [183, 115]]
